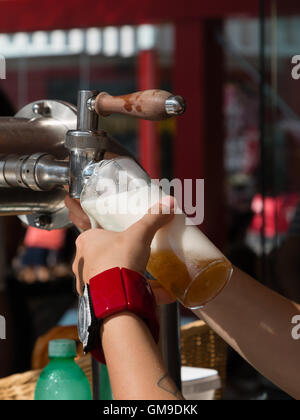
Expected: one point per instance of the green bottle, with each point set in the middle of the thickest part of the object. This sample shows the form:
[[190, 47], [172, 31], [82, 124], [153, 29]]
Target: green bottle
[[62, 378], [105, 388]]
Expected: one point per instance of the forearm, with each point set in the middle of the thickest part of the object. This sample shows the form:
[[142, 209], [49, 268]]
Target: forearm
[[135, 366], [257, 323]]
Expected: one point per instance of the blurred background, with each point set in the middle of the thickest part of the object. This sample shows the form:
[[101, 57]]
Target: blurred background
[[232, 61]]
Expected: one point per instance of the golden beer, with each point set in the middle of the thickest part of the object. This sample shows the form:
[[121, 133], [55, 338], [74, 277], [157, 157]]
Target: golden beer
[[192, 292]]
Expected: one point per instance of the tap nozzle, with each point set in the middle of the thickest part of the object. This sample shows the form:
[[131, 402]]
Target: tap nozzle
[[84, 144]]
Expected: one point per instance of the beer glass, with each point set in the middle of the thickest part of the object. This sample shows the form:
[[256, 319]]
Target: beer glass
[[118, 193]]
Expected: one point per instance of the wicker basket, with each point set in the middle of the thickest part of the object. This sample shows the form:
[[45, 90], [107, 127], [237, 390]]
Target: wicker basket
[[22, 386], [201, 347]]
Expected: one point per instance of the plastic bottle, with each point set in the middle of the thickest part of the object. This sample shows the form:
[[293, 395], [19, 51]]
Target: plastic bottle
[[105, 387], [62, 378]]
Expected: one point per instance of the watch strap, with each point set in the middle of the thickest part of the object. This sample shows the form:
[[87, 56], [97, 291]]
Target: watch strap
[[94, 336]]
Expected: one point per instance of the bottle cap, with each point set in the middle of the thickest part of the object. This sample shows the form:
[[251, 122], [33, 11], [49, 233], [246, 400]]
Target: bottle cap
[[62, 348]]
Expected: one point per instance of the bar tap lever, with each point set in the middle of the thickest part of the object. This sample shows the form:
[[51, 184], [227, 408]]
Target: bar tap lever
[[152, 105]]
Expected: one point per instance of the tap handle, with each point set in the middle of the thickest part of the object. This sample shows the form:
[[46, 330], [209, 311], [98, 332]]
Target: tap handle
[[153, 105]]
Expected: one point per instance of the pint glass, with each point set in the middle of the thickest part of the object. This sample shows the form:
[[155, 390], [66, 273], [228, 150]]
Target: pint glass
[[118, 193]]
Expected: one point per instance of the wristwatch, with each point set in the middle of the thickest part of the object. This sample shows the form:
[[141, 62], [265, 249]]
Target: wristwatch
[[111, 292]]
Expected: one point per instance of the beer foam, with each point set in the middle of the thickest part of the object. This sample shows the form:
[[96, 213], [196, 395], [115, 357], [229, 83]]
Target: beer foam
[[118, 212]]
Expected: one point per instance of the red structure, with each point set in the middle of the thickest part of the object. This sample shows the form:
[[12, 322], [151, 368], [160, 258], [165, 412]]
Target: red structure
[[149, 145], [197, 76], [29, 15]]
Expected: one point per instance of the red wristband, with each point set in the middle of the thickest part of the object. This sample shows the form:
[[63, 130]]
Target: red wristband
[[118, 290]]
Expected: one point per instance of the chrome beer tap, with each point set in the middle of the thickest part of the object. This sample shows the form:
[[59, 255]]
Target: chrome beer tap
[[48, 146], [88, 144]]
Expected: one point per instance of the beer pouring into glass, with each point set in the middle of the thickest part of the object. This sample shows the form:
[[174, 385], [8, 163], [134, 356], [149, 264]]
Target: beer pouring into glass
[[118, 192]]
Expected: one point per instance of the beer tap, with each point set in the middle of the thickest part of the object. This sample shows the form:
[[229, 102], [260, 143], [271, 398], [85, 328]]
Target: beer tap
[[88, 144], [60, 150]]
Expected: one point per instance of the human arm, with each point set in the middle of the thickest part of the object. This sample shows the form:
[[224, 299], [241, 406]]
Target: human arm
[[257, 323], [135, 366]]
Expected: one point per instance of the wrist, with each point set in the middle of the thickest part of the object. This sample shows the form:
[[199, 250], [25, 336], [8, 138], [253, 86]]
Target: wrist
[[111, 297], [124, 291]]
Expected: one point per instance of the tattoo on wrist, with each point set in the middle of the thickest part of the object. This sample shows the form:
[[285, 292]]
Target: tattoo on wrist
[[166, 383]]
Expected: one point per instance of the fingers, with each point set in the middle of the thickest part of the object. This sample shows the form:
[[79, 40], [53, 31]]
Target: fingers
[[158, 216], [77, 215]]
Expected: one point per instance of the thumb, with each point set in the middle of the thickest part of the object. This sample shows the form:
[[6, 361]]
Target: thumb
[[158, 216]]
